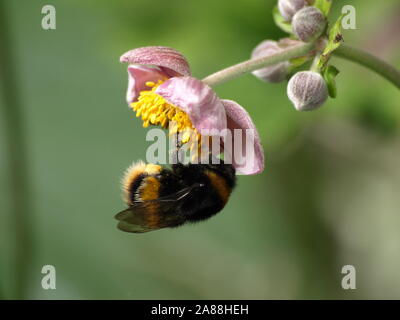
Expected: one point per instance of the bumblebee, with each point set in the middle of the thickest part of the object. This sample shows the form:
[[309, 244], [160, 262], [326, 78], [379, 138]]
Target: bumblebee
[[159, 197]]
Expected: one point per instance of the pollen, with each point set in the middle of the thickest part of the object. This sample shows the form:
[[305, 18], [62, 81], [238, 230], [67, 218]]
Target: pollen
[[155, 110]]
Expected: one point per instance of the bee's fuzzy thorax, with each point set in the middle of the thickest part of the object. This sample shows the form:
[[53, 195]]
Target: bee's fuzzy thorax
[[220, 185]]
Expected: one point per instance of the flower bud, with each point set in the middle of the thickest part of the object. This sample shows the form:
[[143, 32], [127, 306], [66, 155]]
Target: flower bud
[[307, 90], [275, 73], [285, 43], [308, 24], [288, 8]]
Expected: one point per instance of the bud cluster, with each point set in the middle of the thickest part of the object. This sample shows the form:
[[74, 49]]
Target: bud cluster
[[307, 90], [308, 22]]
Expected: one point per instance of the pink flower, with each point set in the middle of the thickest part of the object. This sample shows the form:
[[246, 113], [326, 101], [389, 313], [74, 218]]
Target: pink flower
[[161, 89]]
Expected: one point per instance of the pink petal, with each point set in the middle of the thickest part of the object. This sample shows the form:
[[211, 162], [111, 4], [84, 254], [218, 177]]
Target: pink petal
[[138, 76], [167, 59], [238, 118], [197, 99]]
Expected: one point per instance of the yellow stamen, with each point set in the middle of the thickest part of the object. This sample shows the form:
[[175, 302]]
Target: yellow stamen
[[155, 110], [186, 136], [150, 84]]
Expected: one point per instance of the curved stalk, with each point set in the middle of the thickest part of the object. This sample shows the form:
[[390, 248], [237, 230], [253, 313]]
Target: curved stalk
[[371, 62], [359, 56], [245, 67]]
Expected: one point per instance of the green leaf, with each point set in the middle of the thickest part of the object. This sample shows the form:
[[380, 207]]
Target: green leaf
[[280, 21], [329, 75], [324, 6], [334, 42]]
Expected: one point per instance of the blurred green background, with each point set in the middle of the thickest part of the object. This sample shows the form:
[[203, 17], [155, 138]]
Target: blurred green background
[[329, 195]]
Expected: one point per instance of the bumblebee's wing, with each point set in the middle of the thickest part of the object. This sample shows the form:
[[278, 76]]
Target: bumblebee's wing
[[154, 214], [148, 216]]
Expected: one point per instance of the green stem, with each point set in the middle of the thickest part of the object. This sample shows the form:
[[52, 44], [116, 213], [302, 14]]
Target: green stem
[[359, 56], [314, 66], [16, 156], [371, 62], [255, 64]]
